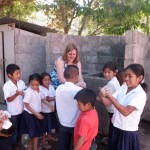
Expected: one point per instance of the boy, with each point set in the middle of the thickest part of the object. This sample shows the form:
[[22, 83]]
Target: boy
[[67, 108], [86, 127], [13, 93]]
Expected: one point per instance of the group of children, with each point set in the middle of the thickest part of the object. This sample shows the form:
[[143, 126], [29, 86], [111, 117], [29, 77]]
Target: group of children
[[32, 109]]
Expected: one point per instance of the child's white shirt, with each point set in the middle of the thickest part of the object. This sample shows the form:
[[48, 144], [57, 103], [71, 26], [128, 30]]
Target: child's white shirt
[[48, 92], [113, 84], [14, 107], [34, 99], [66, 105], [135, 98]]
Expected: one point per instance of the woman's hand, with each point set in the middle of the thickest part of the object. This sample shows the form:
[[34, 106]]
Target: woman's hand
[[81, 84]]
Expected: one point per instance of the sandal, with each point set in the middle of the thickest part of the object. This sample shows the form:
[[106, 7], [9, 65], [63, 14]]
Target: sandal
[[45, 145], [52, 138]]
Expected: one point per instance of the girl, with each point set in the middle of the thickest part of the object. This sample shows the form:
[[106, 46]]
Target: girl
[[129, 101], [47, 109], [32, 117], [110, 72]]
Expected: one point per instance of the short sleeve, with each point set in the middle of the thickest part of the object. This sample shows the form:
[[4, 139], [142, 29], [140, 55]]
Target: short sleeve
[[115, 95], [138, 101], [83, 129], [7, 92], [27, 97]]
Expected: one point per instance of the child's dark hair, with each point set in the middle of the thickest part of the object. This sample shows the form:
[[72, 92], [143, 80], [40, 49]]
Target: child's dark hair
[[44, 74], [35, 76], [86, 96], [71, 71], [120, 76], [11, 68], [112, 66], [138, 70]]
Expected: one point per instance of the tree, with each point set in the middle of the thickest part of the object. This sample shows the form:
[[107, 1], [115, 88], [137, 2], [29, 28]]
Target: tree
[[19, 9]]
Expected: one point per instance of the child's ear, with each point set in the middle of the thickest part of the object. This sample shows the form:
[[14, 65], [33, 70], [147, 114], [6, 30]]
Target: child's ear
[[140, 78], [9, 75]]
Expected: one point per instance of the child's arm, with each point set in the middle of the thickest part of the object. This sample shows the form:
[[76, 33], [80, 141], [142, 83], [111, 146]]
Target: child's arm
[[38, 115], [50, 99], [79, 143], [49, 105], [124, 110], [11, 98]]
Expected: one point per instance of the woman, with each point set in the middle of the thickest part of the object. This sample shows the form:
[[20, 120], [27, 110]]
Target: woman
[[70, 57]]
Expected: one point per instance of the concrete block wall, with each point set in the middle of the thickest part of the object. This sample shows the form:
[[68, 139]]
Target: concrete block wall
[[137, 50], [30, 55], [94, 51]]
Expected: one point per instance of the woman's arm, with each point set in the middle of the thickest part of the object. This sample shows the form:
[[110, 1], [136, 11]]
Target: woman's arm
[[124, 110], [79, 143], [60, 70], [80, 72]]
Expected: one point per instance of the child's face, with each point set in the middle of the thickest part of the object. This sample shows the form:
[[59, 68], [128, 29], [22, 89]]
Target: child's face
[[15, 77], [34, 84], [46, 81], [83, 107], [131, 79], [108, 74]]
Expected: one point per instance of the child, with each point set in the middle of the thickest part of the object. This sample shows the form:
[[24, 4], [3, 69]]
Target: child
[[47, 109], [67, 108], [13, 93], [110, 72], [129, 101], [86, 127], [32, 118]]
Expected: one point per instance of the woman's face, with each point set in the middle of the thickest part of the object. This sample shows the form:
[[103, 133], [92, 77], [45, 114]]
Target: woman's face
[[71, 55]]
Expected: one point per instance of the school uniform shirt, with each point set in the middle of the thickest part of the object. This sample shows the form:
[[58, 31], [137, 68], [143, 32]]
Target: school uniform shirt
[[48, 92], [34, 99], [14, 107], [113, 84], [66, 105], [135, 98]]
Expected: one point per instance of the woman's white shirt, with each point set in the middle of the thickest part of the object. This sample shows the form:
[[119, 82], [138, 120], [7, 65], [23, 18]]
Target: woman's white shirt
[[135, 98]]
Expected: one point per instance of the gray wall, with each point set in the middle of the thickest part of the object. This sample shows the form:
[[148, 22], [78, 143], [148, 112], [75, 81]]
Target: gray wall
[[30, 55], [94, 51]]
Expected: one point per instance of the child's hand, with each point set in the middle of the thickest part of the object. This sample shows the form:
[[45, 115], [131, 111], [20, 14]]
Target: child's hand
[[19, 92], [105, 92], [52, 108], [48, 98], [39, 116]]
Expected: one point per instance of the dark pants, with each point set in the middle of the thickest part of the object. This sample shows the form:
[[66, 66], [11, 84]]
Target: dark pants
[[16, 120], [66, 134]]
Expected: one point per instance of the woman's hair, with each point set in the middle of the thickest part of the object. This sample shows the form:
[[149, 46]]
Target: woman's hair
[[35, 76], [69, 48], [138, 70], [44, 74]]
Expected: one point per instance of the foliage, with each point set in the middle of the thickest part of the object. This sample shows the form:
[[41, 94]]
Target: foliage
[[18, 9]]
